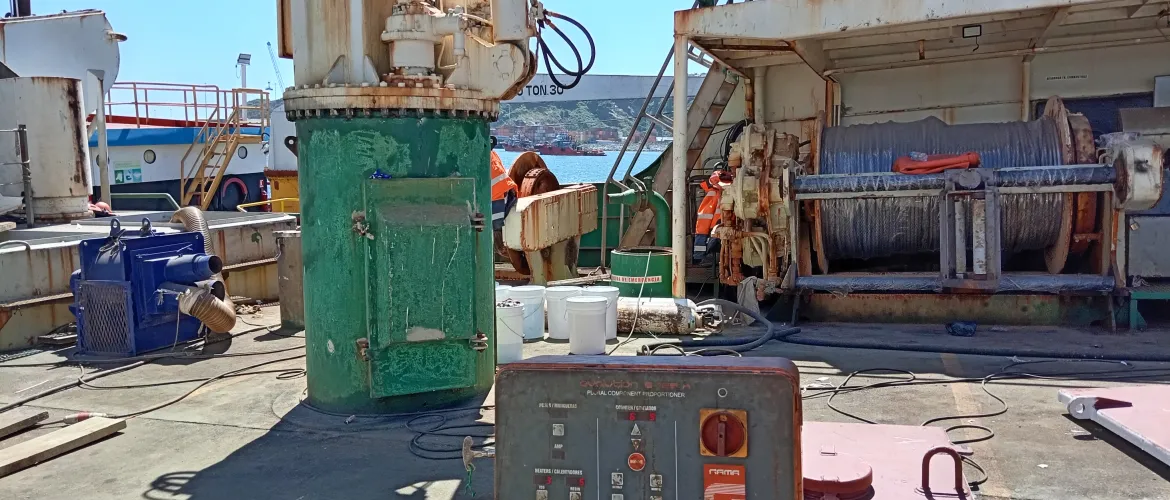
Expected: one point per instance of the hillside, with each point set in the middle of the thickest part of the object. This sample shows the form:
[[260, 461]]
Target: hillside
[[617, 115]]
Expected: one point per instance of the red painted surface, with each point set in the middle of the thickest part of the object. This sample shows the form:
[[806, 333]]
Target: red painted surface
[[637, 462], [1142, 411], [894, 452]]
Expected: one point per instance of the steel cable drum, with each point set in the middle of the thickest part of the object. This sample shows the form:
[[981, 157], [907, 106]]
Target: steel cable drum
[[885, 227]]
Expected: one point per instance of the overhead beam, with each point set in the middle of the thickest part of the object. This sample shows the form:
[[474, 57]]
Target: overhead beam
[[1054, 21], [812, 52], [792, 20]]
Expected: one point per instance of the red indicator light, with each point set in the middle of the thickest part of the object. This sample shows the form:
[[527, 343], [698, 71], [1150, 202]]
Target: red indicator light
[[633, 416], [653, 416], [581, 482], [575, 481]]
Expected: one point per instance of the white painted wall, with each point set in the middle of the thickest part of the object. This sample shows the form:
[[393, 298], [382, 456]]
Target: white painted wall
[[966, 92], [166, 164], [280, 158], [68, 45]]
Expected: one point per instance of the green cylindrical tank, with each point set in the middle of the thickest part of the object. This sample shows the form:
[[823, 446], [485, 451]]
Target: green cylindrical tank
[[399, 307], [642, 271]]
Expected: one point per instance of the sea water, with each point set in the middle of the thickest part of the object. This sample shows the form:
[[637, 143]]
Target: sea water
[[575, 169]]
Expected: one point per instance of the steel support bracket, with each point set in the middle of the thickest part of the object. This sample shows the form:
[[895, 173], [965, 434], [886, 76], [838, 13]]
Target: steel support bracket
[[969, 219]]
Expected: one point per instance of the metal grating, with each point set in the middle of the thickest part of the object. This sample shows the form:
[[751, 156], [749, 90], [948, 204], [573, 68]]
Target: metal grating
[[106, 318]]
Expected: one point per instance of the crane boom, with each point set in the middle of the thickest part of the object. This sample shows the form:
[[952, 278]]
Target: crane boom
[[275, 67]]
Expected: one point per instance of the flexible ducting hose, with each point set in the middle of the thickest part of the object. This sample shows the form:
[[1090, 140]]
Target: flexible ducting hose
[[217, 315], [724, 345]]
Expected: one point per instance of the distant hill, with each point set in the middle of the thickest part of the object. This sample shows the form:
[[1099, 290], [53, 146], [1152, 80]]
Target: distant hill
[[617, 115]]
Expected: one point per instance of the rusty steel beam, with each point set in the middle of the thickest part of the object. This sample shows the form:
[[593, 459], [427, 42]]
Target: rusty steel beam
[[796, 19]]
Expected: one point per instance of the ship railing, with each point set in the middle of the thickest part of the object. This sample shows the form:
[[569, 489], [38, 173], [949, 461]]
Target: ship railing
[[25, 165], [143, 104], [654, 119]]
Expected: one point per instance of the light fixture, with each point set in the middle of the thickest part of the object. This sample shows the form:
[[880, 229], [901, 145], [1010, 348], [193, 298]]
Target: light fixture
[[973, 31], [244, 59]]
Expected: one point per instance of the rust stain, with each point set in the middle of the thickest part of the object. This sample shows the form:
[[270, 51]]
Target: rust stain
[[49, 270], [80, 142]]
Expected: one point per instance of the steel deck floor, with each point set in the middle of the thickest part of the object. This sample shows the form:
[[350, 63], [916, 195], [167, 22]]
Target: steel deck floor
[[246, 437]]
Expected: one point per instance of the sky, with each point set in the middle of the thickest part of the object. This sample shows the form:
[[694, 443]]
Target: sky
[[175, 41]]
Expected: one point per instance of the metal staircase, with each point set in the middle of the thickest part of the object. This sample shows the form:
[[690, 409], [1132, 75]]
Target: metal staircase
[[703, 113], [242, 120]]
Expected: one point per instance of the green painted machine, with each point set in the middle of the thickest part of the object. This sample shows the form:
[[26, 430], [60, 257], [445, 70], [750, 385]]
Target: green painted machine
[[392, 110]]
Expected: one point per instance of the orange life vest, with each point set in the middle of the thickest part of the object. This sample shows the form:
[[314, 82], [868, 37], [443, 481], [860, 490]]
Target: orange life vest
[[501, 183], [504, 192], [708, 215]]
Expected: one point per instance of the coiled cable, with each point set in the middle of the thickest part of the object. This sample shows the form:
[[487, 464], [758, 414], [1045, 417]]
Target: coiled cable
[[549, 56]]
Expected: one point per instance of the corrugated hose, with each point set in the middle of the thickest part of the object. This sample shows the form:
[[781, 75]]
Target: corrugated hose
[[218, 315]]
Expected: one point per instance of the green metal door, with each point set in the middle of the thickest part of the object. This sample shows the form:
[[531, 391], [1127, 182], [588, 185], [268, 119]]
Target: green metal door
[[420, 265]]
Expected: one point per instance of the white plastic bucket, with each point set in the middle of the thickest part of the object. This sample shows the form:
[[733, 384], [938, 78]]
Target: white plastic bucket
[[533, 298], [558, 318], [509, 333], [611, 294], [586, 324], [502, 292]]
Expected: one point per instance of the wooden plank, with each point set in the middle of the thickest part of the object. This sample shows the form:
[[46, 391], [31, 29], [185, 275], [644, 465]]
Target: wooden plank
[[14, 421], [29, 453], [5, 226]]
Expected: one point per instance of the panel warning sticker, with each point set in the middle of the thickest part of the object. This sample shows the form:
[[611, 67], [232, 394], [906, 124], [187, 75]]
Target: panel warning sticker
[[724, 482]]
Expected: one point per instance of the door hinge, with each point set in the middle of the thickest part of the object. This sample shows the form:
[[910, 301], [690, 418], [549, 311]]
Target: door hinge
[[363, 349], [477, 221], [479, 343]]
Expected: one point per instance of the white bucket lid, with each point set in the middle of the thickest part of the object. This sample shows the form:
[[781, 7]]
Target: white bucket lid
[[603, 290], [528, 291], [588, 304], [556, 292]]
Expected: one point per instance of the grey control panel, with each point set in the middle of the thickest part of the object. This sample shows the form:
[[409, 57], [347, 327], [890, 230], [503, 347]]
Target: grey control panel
[[647, 428]]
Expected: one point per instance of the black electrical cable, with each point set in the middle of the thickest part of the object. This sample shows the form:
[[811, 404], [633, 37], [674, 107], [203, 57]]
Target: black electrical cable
[[440, 428], [550, 59], [203, 384], [976, 351], [732, 136]]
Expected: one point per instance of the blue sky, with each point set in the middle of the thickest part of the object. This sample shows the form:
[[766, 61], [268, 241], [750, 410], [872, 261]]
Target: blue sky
[[197, 42]]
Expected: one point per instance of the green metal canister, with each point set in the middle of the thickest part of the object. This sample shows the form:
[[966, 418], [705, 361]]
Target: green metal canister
[[641, 271], [399, 288]]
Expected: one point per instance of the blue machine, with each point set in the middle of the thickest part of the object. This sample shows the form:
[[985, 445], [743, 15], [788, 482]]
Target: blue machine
[[126, 292]]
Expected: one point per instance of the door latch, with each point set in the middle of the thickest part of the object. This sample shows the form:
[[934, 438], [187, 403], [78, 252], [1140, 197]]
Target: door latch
[[477, 221]]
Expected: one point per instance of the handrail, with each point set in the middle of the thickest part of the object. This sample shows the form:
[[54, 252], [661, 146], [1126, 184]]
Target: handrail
[[224, 126], [641, 146], [244, 206], [191, 103]]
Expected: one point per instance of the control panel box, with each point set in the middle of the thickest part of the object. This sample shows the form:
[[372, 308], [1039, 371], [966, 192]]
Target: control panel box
[[648, 428]]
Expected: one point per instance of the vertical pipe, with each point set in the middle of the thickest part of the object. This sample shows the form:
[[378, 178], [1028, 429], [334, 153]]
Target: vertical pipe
[[1026, 91], [103, 143], [979, 237], [758, 94], [678, 184], [30, 215], [960, 238]]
